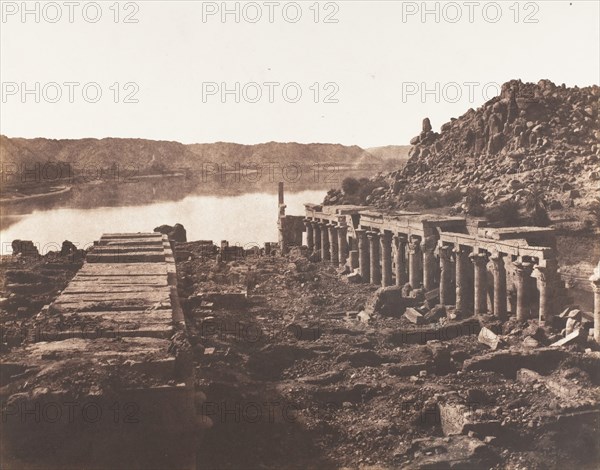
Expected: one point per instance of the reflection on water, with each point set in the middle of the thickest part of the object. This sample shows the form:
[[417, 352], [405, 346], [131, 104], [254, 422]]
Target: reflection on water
[[245, 219]]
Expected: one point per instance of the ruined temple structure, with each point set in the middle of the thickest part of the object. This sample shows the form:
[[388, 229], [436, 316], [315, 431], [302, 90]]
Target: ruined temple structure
[[476, 268]]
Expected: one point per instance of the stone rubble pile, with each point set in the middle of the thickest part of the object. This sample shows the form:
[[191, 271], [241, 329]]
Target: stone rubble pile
[[532, 135]]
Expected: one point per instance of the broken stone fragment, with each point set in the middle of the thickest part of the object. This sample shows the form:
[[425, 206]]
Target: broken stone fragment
[[573, 338], [414, 316], [530, 342], [489, 338]]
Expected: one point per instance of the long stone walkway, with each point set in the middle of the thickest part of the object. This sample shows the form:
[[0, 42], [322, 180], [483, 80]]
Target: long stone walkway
[[127, 285], [114, 342]]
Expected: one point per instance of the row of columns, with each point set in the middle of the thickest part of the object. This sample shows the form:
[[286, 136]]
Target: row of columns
[[462, 273], [330, 240], [475, 299]]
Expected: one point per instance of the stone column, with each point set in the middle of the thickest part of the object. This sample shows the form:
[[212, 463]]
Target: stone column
[[386, 259], [309, 236], [428, 266], [499, 284], [353, 259], [480, 283], [375, 257], [325, 243], [463, 289], [446, 275], [546, 276], [414, 272], [342, 233], [523, 271], [400, 259], [317, 236], [364, 267], [595, 279], [333, 244]]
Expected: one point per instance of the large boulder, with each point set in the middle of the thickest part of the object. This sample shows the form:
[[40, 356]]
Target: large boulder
[[176, 233]]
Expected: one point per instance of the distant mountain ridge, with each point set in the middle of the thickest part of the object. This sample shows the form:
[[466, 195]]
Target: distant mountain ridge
[[149, 154]]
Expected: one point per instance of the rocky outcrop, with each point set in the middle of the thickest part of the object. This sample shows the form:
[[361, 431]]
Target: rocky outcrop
[[531, 135]]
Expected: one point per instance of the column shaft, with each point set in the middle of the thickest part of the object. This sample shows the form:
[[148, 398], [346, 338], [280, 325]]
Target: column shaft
[[445, 275], [386, 259], [309, 236], [325, 243], [428, 268], [375, 257], [499, 285], [414, 271], [333, 244], [463, 289], [342, 244], [400, 260], [364, 267], [480, 283], [523, 271], [546, 276]]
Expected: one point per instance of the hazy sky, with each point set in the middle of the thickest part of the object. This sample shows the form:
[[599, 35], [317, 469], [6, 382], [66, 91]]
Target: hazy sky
[[365, 63]]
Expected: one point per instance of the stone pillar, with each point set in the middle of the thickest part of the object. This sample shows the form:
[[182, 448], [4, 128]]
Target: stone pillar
[[353, 259], [325, 254], [499, 285], [523, 271], [595, 279], [428, 266], [480, 283], [386, 259], [333, 244], [375, 257], [364, 267], [317, 236], [342, 233], [309, 236], [446, 275], [414, 272], [546, 276], [400, 259], [463, 288]]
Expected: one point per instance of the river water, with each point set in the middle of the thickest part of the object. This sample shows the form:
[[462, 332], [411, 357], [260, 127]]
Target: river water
[[246, 218]]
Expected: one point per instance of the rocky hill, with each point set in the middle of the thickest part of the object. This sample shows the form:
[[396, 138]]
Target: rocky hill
[[532, 137], [157, 156]]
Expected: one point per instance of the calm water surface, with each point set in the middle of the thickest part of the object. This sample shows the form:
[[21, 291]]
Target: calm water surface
[[249, 218]]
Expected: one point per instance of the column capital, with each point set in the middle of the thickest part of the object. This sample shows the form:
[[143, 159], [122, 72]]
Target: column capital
[[373, 235], [400, 239], [342, 221], [413, 245], [460, 250], [429, 244], [545, 273], [523, 268], [445, 252], [386, 236], [479, 259], [360, 233]]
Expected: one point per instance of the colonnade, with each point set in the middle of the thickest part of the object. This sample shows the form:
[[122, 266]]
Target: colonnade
[[465, 275]]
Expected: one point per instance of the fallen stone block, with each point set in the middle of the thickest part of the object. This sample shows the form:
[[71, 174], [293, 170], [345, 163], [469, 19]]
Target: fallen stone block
[[432, 298], [457, 452], [363, 317], [530, 342], [573, 338], [489, 338], [353, 278], [435, 314], [414, 316], [508, 362]]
